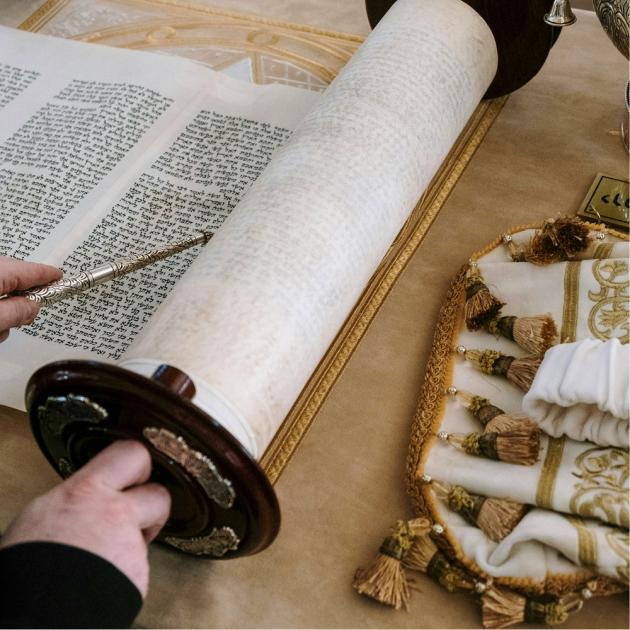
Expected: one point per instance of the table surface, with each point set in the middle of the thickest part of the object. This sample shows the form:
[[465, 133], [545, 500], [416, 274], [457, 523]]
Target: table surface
[[345, 485]]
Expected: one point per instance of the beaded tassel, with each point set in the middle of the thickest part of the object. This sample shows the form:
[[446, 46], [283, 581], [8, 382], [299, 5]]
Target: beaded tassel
[[519, 371], [534, 334], [481, 305], [385, 580], [564, 238], [491, 417], [501, 607], [517, 446], [496, 518]]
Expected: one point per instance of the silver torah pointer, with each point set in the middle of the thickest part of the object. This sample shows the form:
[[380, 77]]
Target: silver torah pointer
[[67, 287]]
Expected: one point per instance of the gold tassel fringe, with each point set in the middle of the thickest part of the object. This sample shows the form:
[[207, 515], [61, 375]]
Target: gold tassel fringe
[[424, 556], [520, 445], [496, 518], [481, 305], [501, 608], [385, 580], [493, 419], [519, 371], [559, 239], [534, 334]]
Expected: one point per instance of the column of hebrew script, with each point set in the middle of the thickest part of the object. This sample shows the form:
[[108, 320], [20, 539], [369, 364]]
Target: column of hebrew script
[[192, 186], [257, 310], [13, 81], [63, 152], [105, 153]]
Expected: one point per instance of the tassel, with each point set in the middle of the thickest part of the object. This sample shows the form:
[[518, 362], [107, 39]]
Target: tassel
[[516, 252], [534, 334], [496, 518], [385, 580], [493, 419], [519, 371], [501, 608], [424, 556], [518, 446], [559, 239], [481, 305]]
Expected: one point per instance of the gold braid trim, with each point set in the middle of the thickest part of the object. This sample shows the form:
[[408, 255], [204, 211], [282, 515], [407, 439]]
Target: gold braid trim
[[431, 403], [426, 422]]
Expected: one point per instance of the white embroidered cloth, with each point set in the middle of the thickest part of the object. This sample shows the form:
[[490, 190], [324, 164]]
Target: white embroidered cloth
[[581, 390]]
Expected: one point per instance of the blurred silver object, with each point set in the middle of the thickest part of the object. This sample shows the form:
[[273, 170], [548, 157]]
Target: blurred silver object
[[67, 287], [560, 14], [615, 19], [613, 16]]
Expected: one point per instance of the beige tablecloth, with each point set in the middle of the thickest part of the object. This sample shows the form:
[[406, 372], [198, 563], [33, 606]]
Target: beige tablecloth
[[345, 484]]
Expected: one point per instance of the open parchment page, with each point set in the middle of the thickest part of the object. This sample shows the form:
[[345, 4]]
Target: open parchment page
[[257, 310], [107, 152]]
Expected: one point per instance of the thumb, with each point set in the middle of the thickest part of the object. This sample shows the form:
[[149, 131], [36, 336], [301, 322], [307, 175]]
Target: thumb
[[18, 275]]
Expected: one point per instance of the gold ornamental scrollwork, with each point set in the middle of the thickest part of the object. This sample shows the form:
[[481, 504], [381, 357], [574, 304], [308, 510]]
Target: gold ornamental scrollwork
[[199, 466], [610, 316], [216, 544], [601, 491], [619, 542]]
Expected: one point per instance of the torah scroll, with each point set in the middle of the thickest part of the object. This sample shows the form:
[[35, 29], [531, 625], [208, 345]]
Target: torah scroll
[[256, 311]]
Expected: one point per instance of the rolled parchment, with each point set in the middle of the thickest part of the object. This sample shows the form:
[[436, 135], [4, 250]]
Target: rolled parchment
[[257, 310]]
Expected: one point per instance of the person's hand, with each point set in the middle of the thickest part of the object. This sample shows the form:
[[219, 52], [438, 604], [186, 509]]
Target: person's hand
[[18, 275], [102, 508]]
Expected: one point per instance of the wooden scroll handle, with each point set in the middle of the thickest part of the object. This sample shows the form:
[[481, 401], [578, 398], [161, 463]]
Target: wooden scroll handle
[[523, 39], [177, 381]]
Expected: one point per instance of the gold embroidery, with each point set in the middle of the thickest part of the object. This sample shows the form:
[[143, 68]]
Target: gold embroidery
[[570, 308], [603, 250], [587, 543], [549, 472], [601, 490], [609, 317], [618, 541]]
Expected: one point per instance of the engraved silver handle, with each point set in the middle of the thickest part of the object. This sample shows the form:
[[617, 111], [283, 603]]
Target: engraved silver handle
[[67, 287]]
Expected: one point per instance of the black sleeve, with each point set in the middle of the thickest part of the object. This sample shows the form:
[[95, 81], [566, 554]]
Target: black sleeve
[[50, 585]]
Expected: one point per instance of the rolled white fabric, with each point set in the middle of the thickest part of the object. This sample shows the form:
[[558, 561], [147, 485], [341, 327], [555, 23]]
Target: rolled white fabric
[[581, 390]]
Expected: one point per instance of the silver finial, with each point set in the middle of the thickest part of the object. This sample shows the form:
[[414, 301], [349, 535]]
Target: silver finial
[[451, 391], [426, 478], [461, 350], [442, 435], [560, 14], [438, 529]]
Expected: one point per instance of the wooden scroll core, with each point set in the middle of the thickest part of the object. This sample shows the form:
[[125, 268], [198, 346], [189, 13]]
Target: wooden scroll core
[[77, 408], [523, 39]]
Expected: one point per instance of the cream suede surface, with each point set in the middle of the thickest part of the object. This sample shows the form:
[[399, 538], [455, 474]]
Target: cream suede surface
[[345, 485]]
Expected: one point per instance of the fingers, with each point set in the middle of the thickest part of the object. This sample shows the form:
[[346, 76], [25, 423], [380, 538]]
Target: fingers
[[17, 311], [18, 275], [151, 505], [123, 464]]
